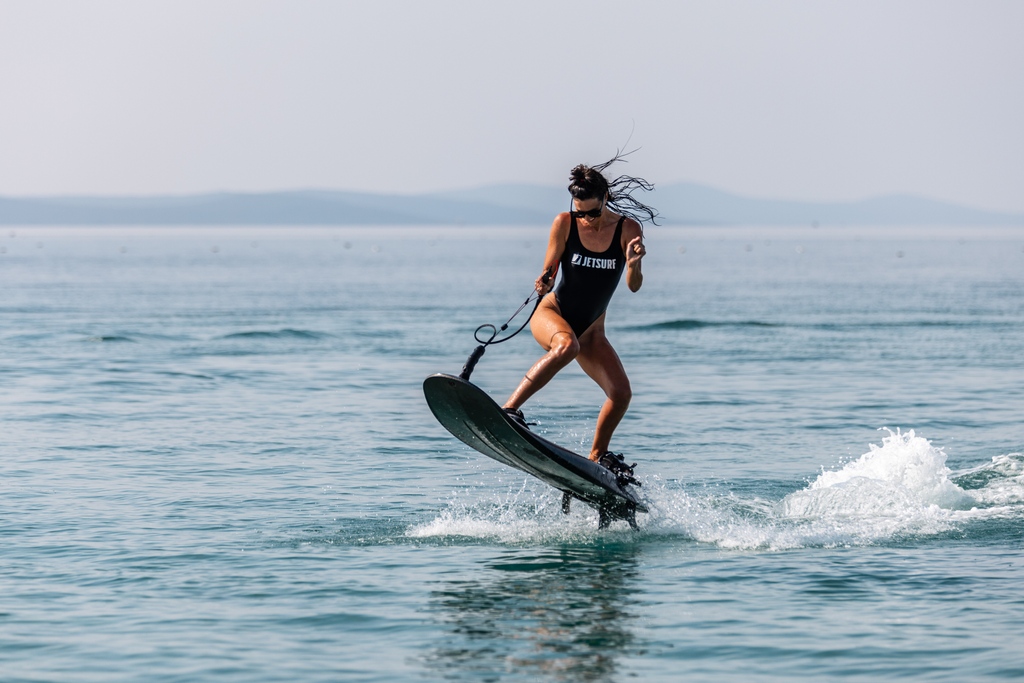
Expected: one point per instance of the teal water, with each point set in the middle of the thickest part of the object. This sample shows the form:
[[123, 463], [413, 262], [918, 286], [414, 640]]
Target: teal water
[[216, 462]]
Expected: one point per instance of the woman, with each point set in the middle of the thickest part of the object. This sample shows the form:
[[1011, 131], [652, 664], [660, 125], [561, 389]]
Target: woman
[[591, 245]]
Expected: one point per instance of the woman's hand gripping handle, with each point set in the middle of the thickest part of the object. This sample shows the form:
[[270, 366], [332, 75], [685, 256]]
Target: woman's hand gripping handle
[[545, 282]]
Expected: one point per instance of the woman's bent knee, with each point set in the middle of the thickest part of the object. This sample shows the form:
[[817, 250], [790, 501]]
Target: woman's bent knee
[[565, 347], [621, 395]]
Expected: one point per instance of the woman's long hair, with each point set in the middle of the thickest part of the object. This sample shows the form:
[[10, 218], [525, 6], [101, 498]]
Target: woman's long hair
[[588, 182]]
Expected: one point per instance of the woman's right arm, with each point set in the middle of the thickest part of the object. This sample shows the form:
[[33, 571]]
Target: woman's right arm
[[556, 245]]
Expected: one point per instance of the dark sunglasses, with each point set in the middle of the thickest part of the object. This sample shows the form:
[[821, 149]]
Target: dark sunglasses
[[593, 213]]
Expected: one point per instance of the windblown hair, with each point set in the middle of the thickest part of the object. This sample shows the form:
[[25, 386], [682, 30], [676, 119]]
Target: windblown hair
[[589, 182]]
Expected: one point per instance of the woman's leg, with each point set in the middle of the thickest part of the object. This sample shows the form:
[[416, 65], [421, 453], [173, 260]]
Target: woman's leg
[[599, 360], [557, 338]]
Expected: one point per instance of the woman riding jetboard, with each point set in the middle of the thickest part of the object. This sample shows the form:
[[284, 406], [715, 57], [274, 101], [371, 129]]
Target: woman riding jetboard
[[590, 245]]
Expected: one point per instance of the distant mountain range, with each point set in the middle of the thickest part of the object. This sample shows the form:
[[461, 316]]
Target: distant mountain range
[[678, 204]]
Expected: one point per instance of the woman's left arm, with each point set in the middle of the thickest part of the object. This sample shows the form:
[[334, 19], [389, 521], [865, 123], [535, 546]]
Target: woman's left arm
[[634, 250]]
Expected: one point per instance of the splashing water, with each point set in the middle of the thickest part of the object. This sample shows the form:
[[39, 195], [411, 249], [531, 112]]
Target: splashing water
[[998, 484], [899, 489], [905, 474], [524, 516]]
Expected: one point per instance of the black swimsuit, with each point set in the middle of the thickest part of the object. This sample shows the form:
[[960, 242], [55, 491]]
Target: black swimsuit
[[588, 279]]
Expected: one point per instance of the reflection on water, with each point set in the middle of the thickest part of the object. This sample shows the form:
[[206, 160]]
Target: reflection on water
[[561, 614]]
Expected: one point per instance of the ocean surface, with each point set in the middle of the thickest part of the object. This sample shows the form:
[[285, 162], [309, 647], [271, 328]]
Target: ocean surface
[[216, 463]]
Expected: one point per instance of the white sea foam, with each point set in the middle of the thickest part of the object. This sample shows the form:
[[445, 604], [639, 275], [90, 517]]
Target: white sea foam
[[905, 474], [902, 487], [510, 527], [529, 514], [999, 483], [899, 489]]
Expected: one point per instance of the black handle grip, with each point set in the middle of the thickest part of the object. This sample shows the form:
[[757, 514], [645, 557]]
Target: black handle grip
[[467, 369]]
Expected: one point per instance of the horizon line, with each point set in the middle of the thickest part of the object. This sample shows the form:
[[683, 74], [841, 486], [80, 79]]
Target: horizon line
[[495, 185]]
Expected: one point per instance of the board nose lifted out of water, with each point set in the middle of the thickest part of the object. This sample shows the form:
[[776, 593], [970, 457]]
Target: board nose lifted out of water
[[474, 418]]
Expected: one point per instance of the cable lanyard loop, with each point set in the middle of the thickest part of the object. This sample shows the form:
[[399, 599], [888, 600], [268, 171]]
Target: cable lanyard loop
[[471, 362]]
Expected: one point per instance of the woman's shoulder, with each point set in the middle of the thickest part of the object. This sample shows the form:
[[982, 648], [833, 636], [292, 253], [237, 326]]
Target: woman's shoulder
[[630, 227], [561, 223]]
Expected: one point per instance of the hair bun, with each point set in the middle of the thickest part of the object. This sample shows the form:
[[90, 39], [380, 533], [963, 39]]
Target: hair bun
[[579, 173]]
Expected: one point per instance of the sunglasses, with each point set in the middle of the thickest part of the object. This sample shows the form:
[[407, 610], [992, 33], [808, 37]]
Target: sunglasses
[[593, 213]]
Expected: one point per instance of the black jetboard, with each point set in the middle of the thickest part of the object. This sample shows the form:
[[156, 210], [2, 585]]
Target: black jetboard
[[476, 420]]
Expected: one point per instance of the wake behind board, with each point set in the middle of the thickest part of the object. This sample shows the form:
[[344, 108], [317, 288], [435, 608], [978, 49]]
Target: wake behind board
[[474, 418]]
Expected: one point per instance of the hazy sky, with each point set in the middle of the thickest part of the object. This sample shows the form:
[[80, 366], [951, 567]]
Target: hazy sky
[[801, 100]]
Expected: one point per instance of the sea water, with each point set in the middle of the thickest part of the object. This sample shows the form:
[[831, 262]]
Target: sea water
[[217, 464]]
